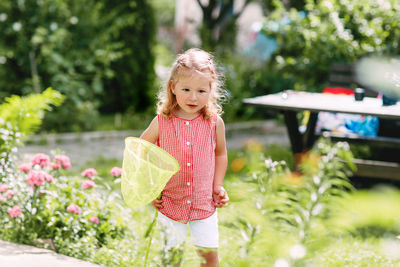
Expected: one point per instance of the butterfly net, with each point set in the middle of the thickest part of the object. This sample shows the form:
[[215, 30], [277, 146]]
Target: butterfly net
[[146, 168]]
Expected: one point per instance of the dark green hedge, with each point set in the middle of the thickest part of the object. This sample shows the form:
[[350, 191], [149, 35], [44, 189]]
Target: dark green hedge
[[98, 53]]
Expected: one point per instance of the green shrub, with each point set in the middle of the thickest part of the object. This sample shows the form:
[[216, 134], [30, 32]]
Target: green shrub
[[20, 117], [97, 59], [244, 78], [26, 113], [331, 31], [369, 214], [271, 202]]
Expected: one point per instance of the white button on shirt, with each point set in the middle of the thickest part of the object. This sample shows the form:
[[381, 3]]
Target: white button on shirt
[[188, 164], [188, 202], [188, 143], [187, 123], [188, 183]]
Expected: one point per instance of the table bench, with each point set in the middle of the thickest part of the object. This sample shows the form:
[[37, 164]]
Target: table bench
[[291, 102]]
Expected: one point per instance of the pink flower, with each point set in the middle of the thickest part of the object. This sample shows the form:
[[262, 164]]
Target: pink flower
[[41, 159], [25, 167], [3, 188], [94, 219], [89, 173], [10, 193], [1, 197], [116, 171], [36, 178], [48, 178], [63, 160], [88, 184], [55, 166], [14, 212], [74, 209]]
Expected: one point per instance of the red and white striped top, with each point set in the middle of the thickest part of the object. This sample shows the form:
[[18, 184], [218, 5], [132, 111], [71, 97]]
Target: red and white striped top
[[188, 194]]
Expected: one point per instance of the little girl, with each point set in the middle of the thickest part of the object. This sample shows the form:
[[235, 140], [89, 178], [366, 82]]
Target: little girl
[[188, 126]]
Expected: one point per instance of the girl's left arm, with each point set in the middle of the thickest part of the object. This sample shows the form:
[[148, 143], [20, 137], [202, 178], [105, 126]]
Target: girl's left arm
[[221, 162]]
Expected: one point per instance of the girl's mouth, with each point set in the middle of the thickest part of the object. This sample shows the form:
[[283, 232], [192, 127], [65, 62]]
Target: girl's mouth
[[192, 106]]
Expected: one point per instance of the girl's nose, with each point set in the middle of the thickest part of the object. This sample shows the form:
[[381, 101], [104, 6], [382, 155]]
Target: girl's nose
[[193, 96]]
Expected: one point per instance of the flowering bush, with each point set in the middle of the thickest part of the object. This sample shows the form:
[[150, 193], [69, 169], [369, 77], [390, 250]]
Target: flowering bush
[[40, 205], [39, 202]]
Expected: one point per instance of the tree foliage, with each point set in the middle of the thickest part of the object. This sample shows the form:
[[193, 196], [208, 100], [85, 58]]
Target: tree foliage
[[133, 29], [82, 49], [331, 31], [218, 29]]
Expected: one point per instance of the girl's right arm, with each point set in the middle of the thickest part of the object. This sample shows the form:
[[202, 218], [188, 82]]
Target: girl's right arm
[[151, 133]]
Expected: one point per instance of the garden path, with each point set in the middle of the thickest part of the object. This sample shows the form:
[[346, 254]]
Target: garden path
[[88, 146], [17, 255]]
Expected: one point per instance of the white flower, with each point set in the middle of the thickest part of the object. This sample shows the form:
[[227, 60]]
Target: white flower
[[322, 189], [306, 214], [328, 5], [3, 17], [316, 179], [297, 251], [281, 263], [298, 219], [53, 26], [17, 26], [317, 209], [314, 197], [73, 20]]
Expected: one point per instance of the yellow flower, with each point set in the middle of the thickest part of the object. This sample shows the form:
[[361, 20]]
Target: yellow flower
[[238, 164], [254, 145], [293, 178], [309, 163], [312, 160]]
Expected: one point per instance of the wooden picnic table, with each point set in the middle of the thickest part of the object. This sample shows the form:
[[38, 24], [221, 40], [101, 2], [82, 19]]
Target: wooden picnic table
[[291, 102]]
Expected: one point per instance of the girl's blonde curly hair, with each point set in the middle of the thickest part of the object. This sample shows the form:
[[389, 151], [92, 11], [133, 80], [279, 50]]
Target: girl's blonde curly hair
[[192, 61]]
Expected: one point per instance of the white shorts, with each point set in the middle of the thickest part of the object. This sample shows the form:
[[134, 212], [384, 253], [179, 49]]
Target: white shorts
[[204, 233]]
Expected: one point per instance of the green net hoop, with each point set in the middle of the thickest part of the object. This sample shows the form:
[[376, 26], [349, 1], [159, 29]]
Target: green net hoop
[[146, 169]]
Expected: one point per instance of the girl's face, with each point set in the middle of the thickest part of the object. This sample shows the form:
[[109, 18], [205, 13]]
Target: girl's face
[[192, 93]]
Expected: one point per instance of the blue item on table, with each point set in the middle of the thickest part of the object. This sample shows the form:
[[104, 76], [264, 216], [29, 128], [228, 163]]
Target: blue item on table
[[367, 127]]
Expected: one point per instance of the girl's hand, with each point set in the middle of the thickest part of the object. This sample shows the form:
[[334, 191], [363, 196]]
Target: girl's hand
[[157, 203], [220, 197]]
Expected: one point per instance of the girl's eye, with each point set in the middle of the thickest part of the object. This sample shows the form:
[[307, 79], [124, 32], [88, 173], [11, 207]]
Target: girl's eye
[[186, 89], [202, 91]]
